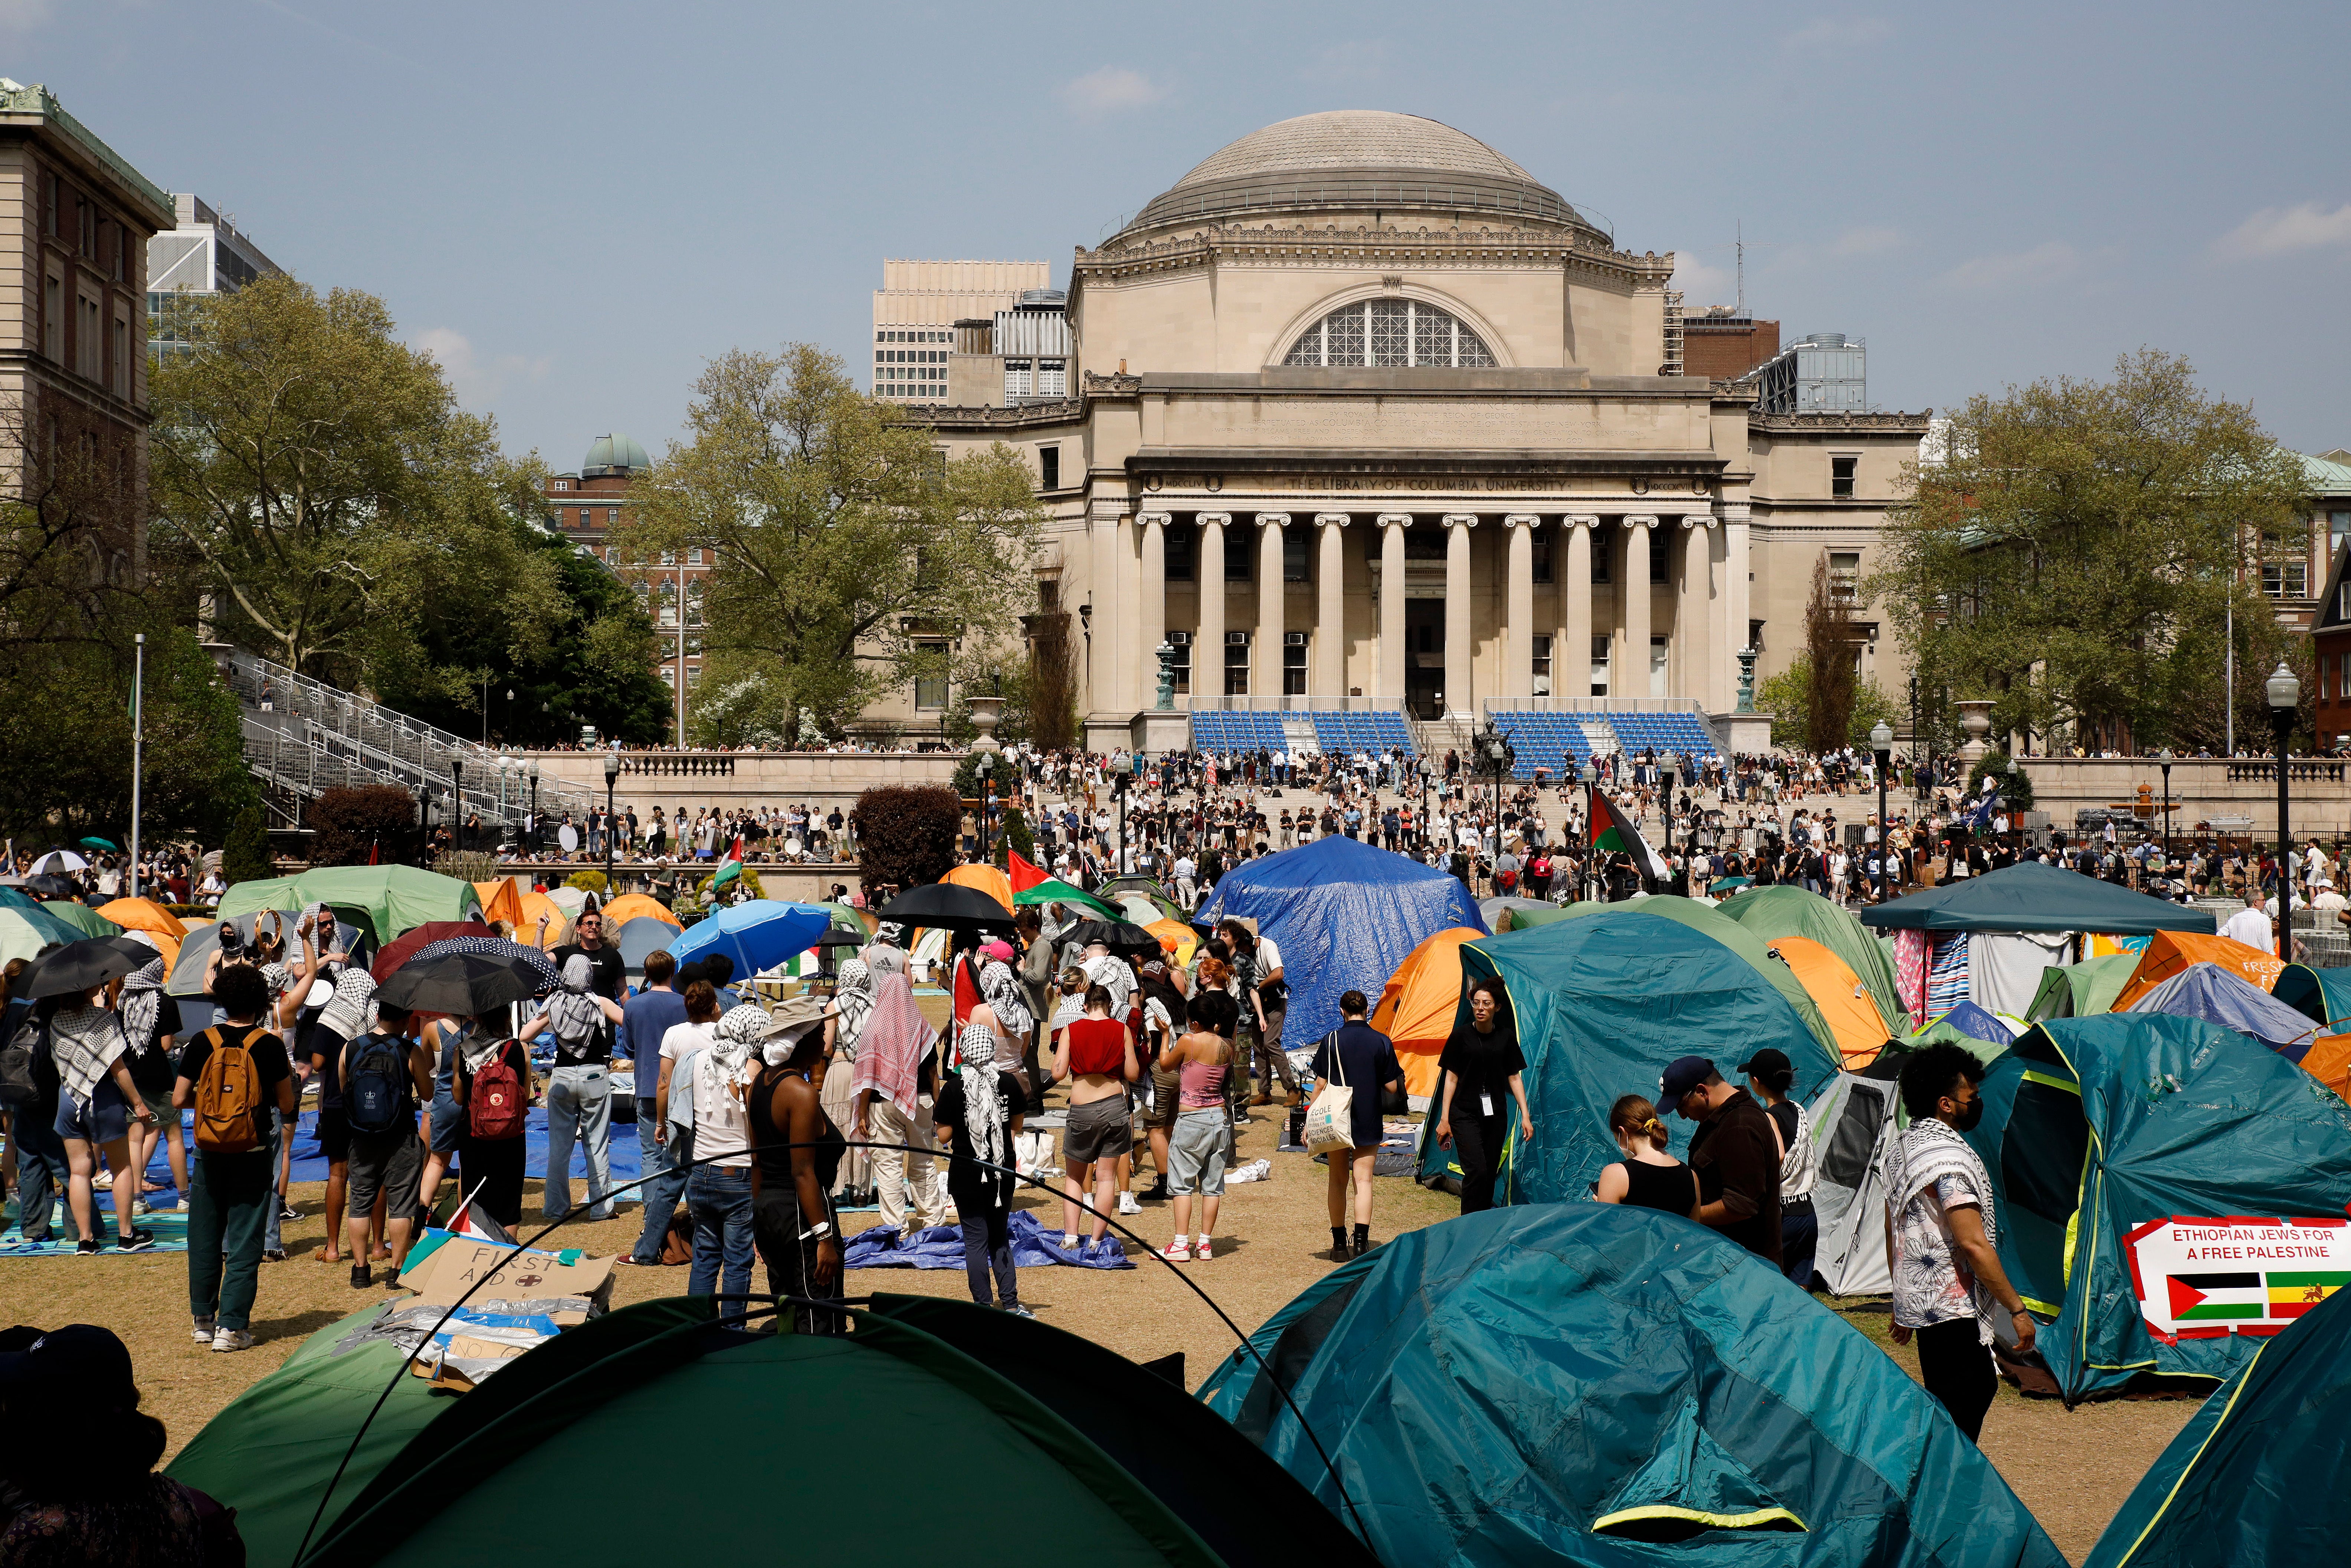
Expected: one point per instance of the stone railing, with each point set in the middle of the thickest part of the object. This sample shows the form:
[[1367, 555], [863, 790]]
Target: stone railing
[[2313, 772], [679, 764]]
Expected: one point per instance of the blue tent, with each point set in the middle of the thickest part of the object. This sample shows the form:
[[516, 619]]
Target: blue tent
[[2209, 992], [1595, 1384], [1967, 1019], [1345, 915]]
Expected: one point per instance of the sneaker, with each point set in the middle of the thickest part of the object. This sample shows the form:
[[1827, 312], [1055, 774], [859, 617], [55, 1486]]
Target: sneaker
[[277, 1256], [286, 1212], [360, 1277], [1178, 1250], [136, 1241], [103, 1181], [139, 1206], [1201, 1254], [88, 1249], [203, 1331], [232, 1339], [1018, 1310], [1126, 1203], [1156, 1192]]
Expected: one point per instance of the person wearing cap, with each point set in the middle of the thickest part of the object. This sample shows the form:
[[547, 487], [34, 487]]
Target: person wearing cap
[[1736, 1152], [1770, 1075]]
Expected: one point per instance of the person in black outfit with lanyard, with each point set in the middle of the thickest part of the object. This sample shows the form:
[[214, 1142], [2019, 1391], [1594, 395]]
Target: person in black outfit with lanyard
[[1481, 1063], [793, 1222]]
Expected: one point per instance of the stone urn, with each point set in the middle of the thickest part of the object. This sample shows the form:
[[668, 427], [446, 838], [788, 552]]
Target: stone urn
[[986, 713], [1975, 719]]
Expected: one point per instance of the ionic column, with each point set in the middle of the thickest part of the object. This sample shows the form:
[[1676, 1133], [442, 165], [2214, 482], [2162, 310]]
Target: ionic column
[[1152, 609], [1209, 642], [1693, 644], [1575, 618], [1107, 687], [1393, 651], [1518, 577], [1267, 681], [1735, 612], [1457, 651], [1634, 682], [1330, 651]]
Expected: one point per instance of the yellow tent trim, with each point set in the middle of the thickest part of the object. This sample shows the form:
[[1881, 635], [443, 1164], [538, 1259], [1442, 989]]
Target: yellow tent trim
[[1696, 1516], [2189, 1468]]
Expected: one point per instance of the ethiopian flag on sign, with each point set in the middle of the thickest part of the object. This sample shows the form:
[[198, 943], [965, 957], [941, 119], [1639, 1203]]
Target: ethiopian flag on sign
[[1612, 829], [2291, 1295]]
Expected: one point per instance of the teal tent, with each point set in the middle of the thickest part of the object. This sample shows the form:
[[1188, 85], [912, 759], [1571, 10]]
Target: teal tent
[[2323, 995], [2033, 896], [2258, 1477], [1706, 918], [1596, 1384], [1602, 1003], [2114, 1142], [1782, 911]]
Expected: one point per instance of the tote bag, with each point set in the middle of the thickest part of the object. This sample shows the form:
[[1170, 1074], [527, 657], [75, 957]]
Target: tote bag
[[1330, 1120]]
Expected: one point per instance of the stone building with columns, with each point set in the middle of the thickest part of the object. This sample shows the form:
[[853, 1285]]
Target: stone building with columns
[[1365, 415]]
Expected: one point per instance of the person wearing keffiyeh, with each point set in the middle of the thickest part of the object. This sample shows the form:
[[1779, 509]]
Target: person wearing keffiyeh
[[854, 989], [892, 1106], [980, 1106], [580, 1089], [87, 1046], [150, 1020]]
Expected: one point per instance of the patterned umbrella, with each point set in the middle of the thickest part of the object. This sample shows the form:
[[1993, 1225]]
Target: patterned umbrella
[[496, 947]]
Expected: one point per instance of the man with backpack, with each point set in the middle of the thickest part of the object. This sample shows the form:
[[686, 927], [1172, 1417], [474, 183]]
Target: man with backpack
[[237, 1079], [385, 1075]]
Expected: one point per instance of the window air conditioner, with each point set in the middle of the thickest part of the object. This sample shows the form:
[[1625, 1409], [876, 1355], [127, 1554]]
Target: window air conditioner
[[1180, 639], [1236, 639], [1294, 639]]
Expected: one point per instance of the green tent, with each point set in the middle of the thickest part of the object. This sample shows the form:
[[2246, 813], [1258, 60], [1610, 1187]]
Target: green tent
[[86, 921], [1772, 913], [2079, 990], [1749, 944], [2034, 896], [2323, 995], [2109, 1138], [1052, 890], [1602, 1002], [2255, 1479], [1605, 1384], [27, 929], [390, 900]]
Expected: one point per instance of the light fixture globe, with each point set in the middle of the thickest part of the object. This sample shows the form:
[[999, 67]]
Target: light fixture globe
[[2285, 690], [1881, 736]]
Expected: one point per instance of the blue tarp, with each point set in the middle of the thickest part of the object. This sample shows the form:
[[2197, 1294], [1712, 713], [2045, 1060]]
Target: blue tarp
[[1345, 915], [1968, 1019], [941, 1247], [2209, 992]]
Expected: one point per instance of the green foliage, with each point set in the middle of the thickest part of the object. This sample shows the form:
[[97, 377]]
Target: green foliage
[[1006, 775], [2015, 785], [346, 823], [1015, 837], [906, 835], [246, 856], [707, 890], [844, 551], [586, 882], [1833, 656], [2073, 554], [1787, 698]]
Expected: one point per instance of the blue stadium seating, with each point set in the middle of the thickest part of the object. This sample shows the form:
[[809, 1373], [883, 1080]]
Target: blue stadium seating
[[1373, 733], [1552, 741], [1337, 731], [1668, 734]]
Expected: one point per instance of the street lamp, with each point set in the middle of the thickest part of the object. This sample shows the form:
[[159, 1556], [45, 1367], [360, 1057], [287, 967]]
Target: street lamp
[[506, 777], [531, 771], [987, 770], [2163, 760], [2285, 702], [1881, 741], [611, 777], [1590, 775], [457, 795]]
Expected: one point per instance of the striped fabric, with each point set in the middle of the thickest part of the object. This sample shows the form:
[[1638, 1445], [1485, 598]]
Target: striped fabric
[[1946, 973]]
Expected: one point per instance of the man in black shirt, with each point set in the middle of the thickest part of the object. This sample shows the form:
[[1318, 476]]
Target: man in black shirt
[[1735, 1151], [232, 1195]]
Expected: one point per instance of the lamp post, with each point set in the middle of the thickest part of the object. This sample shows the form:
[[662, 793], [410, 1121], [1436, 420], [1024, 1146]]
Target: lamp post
[[506, 777], [531, 771], [611, 777], [457, 795], [987, 768], [1590, 775], [1881, 741], [2285, 701], [2163, 760]]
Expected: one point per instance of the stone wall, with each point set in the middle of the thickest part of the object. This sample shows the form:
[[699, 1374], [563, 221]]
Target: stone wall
[[2202, 789], [729, 779]]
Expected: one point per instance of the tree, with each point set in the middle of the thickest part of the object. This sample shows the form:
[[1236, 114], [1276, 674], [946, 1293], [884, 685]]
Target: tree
[[1015, 836], [847, 558], [246, 856], [2072, 552], [349, 825], [1788, 698], [328, 494], [1053, 681], [906, 835], [1832, 652]]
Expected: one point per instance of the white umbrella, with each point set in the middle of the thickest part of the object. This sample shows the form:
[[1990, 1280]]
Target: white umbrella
[[58, 860]]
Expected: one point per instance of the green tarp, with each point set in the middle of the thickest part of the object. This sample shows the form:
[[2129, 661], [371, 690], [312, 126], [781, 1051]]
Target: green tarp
[[2083, 989], [395, 899], [1775, 911], [1605, 1384], [2255, 1479], [1707, 919], [2094, 1128], [2031, 896], [1052, 890]]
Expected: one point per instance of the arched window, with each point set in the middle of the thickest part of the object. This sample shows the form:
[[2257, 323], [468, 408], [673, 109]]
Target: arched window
[[1384, 332]]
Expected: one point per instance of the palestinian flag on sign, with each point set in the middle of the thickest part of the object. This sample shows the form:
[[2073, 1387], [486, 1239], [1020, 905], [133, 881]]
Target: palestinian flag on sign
[[1612, 829], [2291, 1295], [2220, 1298]]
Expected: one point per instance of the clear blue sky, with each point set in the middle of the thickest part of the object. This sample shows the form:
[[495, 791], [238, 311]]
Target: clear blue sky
[[577, 205]]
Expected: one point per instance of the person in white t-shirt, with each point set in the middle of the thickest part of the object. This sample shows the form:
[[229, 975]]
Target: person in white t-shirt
[[2251, 925]]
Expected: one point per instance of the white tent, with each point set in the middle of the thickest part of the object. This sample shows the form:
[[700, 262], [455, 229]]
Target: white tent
[[1853, 1130]]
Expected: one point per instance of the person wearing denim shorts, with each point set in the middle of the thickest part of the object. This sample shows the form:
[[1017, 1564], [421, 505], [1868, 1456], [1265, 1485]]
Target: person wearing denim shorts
[[1203, 1059], [1096, 1053]]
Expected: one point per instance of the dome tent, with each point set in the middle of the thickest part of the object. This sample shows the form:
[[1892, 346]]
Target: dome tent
[[1639, 1382], [1782, 911], [1750, 948]]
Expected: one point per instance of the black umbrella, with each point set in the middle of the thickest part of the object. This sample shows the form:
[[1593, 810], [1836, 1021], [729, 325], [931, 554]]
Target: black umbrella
[[460, 984], [48, 884], [1118, 936], [946, 906], [83, 965]]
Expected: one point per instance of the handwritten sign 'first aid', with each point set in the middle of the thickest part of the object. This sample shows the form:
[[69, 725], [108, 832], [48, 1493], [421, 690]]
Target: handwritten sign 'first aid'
[[2200, 1278]]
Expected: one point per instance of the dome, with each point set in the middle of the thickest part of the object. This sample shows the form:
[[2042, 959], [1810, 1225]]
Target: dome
[[614, 454], [1358, 161]]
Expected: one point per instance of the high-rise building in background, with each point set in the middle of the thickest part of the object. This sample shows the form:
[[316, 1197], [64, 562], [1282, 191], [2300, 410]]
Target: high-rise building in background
[[1722, 344], [916, 311], [202, 254], [1823, 372]]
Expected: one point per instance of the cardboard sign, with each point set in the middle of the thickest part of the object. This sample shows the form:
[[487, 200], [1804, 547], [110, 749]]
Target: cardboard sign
[[2197, 1278], [458, 1263]]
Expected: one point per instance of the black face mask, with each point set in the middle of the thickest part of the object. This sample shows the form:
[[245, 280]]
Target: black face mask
[[1970, 1117]]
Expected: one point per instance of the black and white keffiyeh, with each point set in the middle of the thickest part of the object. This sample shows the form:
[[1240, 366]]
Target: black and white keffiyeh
[[983, 1108]]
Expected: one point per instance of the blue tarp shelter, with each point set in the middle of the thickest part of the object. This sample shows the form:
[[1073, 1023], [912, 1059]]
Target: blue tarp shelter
[[1345, 915]]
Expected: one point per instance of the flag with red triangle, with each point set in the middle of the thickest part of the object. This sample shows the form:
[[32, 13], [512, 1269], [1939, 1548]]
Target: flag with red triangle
[[371, 852], [1612, 829], [1023, 874]]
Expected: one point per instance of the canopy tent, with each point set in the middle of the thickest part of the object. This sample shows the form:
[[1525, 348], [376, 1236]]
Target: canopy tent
[[2106, 1139], [146, 915], [1601, 1004], [1120, 889], [2257, 1479], [2170, 953], [392, 898], [501, 900], [2078, 990], [1345, 916], [1417, 1007], [1706, 918], [1844, 1001], [1785, 911], [629, 907], [989, 880], [2209, 992], [1644, 1390], [1053, 890], [2032, 896], [85, 920]]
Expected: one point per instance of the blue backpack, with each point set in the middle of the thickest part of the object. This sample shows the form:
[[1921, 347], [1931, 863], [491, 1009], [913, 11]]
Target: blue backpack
[[375, 1094]]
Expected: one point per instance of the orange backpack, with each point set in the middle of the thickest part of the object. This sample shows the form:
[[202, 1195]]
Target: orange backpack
[[228, 1096]]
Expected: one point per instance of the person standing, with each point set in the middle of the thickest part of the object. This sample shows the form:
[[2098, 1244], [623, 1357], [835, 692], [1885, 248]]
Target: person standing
[[797, 1151], [1736, 1153], [385, 1075], [1648, 1176], [893, 1102], [1096, 1054], [238, 1104], [94, 1101], [980, 1106], [1482, 1071], [42, 1171], [2250, 924], [1362, 1057], [645, 1019], [1942, 1238], [718, 1188], [1770, 1075], [493, 1086], [580, 1089], [1202, 1060]]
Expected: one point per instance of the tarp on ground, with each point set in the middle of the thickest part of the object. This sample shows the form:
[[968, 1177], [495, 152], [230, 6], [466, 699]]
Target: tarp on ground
[[2031, 896], [1844, 1001], [941, 1247], [2209, 992], [1601, 1004], [2169, 953], [501, 900], [2107, 1140], [1704, 917], [2079, 991], [1345, 915], [1640, 1390], [2257, 1477], [392, 897], [1785, 911], [1417, 1007]]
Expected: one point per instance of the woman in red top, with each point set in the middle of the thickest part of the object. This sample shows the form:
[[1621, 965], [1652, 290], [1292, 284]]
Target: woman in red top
[[1096, 1054]]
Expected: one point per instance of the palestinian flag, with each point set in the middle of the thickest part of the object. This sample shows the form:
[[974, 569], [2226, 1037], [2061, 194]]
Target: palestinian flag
[[1023, 874], [729, 870], [2216, 1298], [1612, 829], [2291, 1295]]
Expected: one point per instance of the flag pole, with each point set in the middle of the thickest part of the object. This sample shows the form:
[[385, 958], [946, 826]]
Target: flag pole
[[138, 735]]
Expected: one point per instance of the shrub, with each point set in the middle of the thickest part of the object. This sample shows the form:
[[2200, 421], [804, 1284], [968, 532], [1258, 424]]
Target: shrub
[[1015, 836], [2015, 785], [246, 856], [586, 882], [346, 823], [905, 834], [750, 881]]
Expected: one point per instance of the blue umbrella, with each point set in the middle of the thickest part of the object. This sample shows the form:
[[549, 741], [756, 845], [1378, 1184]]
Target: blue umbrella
[[757, 935]]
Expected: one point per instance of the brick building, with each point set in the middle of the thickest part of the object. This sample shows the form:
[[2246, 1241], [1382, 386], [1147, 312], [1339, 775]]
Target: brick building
[[1724, 345], [587, 506]]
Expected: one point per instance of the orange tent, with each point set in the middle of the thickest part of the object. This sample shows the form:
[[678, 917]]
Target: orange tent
[[1853, 1016], [1176, 938], [558, 924], [986, 878], [630, 905], [2169, 952], [500, 902], [2328, 1059], [146, 915], [1418, 1006]]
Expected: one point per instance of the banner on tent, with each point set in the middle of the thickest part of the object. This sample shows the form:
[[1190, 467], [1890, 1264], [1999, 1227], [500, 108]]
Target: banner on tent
[[2197, 1279]]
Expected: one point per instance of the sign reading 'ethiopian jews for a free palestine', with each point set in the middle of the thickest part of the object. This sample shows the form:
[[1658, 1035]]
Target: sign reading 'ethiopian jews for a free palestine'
[[2199, 1278]]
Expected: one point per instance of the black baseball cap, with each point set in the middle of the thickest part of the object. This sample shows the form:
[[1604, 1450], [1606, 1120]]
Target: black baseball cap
[[1682, 1074], [1769, 1059], [90, 1360]]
